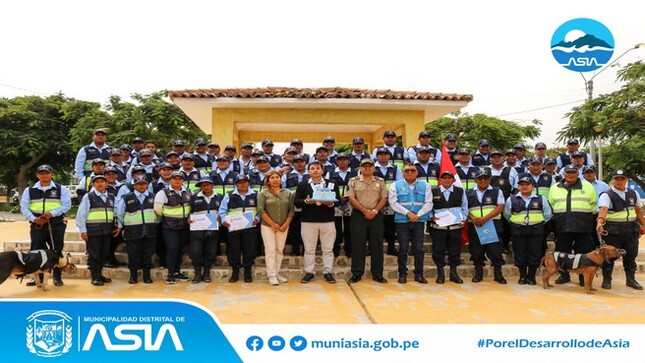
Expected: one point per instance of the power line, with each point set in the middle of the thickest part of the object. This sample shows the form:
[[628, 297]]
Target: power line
[[23, 89], [541, 108]]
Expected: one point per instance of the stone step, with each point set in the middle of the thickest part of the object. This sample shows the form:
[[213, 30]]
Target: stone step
[[294, 274]]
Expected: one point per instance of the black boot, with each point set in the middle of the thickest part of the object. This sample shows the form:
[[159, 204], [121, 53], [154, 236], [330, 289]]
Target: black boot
[[96, 277], [454, 277], [146, 276], [441, 277], [631, 280], [235, 275], [499, 278], [198, 275], [57, 273], [206, 275], [133, 276], [247, 275], [523, 275], [606, 277], [530, 278], [564, 278], [479, 274]]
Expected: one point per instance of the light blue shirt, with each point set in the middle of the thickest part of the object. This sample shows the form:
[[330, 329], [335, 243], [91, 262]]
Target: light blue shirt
[[391, 148], [446, 196], [65, 199], [81, 158], [120, 205], [480, 194], [412, 155], [512, 176], [84, 210], [605, 201], [546, 207], [383, 169], [223, 207], [150, 168]]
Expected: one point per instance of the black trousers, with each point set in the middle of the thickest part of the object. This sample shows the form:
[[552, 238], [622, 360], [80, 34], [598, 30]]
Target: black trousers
[[98, 249], [527, 246], [294, 237], [343, 235], [140, 252], [175, 240], [477, 250], [160, 248], [389, 230], [446, 240], [574, 241], [41, 239], [506, 233], [243, 242], [363, 229], [203, 248], [627, 241], [116, 241]]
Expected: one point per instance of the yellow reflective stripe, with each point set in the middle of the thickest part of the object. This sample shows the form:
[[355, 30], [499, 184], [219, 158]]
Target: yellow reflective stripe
[[535, 217], [627, 215], [543, 191], [137, 218], [235, 211], [100, 215], [256, 188], [179, 211], [44, 205], [480, 212], [399, 164]]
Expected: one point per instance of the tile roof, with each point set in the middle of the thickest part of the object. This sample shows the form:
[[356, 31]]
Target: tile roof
[[317, 93]]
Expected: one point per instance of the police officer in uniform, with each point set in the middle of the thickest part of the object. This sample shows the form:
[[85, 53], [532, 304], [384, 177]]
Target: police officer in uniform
[[398, 154], [451, 148], [342, 213], [97, 149], [424, 141], [485, 203], [426, 170], [290, 181], [267, 148], [203, 160], [204, 243], [622, 218], [482, 156], [44, 205], [358, 153], [505, 179], [573, 201], [465, 169], [85, 183], [136, 213], [527, 213], [390, 173], [565, 158]]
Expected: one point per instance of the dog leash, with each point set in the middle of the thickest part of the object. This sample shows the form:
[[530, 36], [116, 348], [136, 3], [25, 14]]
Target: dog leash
[[50, 243]]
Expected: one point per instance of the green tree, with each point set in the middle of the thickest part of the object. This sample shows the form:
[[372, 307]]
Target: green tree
[[616, 119], [469, 129]]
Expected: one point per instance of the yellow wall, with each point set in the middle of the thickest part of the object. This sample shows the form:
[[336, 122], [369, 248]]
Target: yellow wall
[[405, 123]]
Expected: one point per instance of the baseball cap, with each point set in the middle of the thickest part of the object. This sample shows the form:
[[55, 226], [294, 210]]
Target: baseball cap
[[525, 179], [299, 157], [125, 147], [256, 152], [188, 156], [446, 172], [98, 161], [618, 174], [367, 161], [588, 168], [573, 141], [540, 145], [230, 147], [423, 148], [424, 134], [241, 177], [549, 161], [213, 143], [511, 151], [98, 131], [247, 145], [97, 177], [535, 160], [204, 179], [570, 167], [262, 158], [296, 141], [577, 154], [177, 173], [200, 141], [171, 153], [46, 168], [321, 148], [178, 143], [137, 139], [496, 152], [389, 133], [482, 174], [383, 150], [483, 142], [145, 152], [115, 151], [329, 139], [139, 179], [223, 157], [519, 146], [139, 168], [267, 142], [164, 165], [358, 140], [110, 169], [290, 149], [463, 150], [342, 156], [451, 137]]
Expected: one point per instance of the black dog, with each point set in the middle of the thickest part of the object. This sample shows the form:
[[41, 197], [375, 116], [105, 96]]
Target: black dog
[[38, 262]]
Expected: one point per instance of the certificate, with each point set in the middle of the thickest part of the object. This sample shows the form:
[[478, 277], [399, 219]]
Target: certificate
[[204, 222], [239, 221], [448, 217], [487, 233]]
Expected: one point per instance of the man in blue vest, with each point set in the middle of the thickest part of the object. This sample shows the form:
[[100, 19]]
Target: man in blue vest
[[44, 205], [97, 149], [411, 201]]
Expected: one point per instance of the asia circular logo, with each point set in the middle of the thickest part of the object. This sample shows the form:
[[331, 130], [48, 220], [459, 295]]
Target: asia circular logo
[[582, 45], [49, 333]]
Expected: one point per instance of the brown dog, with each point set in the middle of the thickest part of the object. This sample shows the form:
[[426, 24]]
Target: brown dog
[[39, 262], [585, 264]]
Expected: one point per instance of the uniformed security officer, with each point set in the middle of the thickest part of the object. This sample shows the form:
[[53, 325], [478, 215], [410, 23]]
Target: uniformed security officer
[[465, 169], [267, 149], [297, 143], [368, 195], [621, 217], [550, 168], [505, 179], [246, 159], [447, 238], [193, 175], [85, 183], [322, 156], [542, 182], [485, 203], [223, 178], [573, 201], [173, 206], [390, 173], [145, 161], [136, 213], [95, 221], [411, 201], [589, 174], [203, 160], [329, 142], [451, 147], [426, 169], [290, 181], [257, 175], [242, 241], [231, 152], [511, 160], [482, 156], [342, 213], [565, 158], [116, 161], [398, 154], [97, 149], [527, 213], [424, 140], [520, 152], [204, 243], [358, 153], [44, 205]]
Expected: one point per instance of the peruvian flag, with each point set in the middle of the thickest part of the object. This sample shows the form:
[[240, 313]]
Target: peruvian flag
[[447, 165]]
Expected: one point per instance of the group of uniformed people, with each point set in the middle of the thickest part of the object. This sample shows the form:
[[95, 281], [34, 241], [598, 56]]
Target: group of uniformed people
[[393, 194]]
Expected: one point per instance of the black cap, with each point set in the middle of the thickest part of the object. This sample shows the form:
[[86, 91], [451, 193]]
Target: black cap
[[213, 143], [496, 152], [525, 179], [573, 141], [97, 131], [570, 167], [367, 161], [389, 133], [451, 137], [110, 169], [483, 142], [164, 165], [446, 172], [329, 139], [139, 179], [178, 143], [540, 145], [200, 141], [535, 160], [241, 177], [223, 157], [618, 174], [424, 149], [230, 147], [296, 141], [300, 157], [247, 144], [463, 150], [204, 179], [267, 142], [262, 158], [138, 139], [342, 156], [290, 149], [115, 151], [510, 151], [256, 152], [482, 173], [97, 177], [188, 156], [576, 154], [321, 148], [424, 134], [145, 152], [588, 168], [125, 147], [138, 168], [45, 168], [519, 147], [177, 173], [549, 161], [383, 150], [169, 153], [358, 140], [98, 161]]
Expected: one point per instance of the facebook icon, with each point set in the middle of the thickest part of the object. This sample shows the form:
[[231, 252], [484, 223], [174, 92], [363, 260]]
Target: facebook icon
[[254, 343]]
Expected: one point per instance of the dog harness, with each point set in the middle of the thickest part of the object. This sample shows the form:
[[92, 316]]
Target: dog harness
[[570, 262]]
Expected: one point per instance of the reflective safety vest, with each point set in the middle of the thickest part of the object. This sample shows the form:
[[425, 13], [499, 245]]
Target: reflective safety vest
[[92, 153], [573, 206], [176, 209], [238, 206], [198, 205], [204, 165], [257, 183], [412, 200], [139, 220], [100, 219], [390, 174], [502, 181], [467, 178], [47, 201], [543, 183], [487, 205], [192, 179], [342, 183], [397, 157], [621, 217], [355, 160], [522, 215], [430, 176], [223, 186]]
